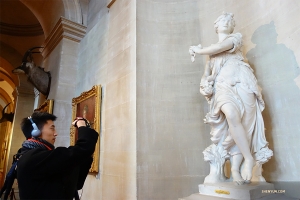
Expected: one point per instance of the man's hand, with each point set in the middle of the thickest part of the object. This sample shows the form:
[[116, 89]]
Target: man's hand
[[78, 122]]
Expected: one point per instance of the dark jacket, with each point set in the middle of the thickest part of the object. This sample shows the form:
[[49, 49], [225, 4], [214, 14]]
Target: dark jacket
[[59, 173]]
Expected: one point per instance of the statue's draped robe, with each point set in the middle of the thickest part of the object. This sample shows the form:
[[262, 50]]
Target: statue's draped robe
[[235, 84]]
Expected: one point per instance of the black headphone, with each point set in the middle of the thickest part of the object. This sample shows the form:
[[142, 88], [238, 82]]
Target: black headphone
[[36, 131]]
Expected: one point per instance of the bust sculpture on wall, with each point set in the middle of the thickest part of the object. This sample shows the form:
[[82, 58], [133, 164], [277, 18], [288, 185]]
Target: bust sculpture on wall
[[39, 78], [235, 100]]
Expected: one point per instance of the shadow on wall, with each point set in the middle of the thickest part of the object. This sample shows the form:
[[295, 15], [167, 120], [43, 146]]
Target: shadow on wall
[[276, 68]]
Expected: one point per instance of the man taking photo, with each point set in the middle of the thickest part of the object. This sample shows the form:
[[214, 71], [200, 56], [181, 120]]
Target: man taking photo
[[46, 172]]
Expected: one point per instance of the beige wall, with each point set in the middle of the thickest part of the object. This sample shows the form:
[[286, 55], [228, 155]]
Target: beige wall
[[170, 133], [107, 58], [62, 64], [170, 110]]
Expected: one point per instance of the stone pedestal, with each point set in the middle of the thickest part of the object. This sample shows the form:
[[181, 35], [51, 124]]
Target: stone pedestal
[[228, 190], [231, 191], [205, 197]]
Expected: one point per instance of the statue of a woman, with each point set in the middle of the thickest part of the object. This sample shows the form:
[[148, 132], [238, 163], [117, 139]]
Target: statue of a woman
[[236, 103]]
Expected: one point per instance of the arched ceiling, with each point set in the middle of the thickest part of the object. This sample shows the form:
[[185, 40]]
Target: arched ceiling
[[46, 12], [49, 12], [21, 14], [27, 23], [16, 19], [19, 30]]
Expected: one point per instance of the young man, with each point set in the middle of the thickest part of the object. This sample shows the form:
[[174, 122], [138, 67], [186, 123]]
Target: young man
[[45, 172]]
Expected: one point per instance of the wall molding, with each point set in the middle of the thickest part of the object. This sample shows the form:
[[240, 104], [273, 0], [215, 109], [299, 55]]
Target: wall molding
[[21, 30]]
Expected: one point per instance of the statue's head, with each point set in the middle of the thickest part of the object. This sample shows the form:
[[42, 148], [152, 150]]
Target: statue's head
[[225, 17]]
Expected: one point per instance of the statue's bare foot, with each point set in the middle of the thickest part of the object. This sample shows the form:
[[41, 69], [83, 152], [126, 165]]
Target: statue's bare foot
[[247, 170], [237, 178]]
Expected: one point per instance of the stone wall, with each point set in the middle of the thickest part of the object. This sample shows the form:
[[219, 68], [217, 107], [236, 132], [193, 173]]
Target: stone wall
[[107, 57], [170, 132], [170, 110]]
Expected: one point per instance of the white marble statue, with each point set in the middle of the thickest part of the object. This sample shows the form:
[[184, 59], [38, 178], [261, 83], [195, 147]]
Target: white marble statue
[[236, 103]]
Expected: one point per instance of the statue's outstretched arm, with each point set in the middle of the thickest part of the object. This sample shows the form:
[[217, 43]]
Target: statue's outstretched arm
[[214, 48]]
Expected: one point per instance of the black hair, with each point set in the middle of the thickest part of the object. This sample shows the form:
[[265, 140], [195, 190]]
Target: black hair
[[39, 118]]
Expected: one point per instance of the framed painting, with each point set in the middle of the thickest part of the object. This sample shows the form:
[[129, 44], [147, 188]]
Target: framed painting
[[47, 106], [87, 105]]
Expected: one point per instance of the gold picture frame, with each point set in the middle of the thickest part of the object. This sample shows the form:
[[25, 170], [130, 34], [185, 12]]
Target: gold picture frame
[[87, 105], [47, 106]]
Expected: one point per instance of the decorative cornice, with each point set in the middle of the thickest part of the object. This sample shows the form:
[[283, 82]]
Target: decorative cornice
[[21, 30], [64, 28]]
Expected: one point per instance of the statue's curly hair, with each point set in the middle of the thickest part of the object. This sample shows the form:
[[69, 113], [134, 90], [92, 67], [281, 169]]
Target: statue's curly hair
[[224, 15]]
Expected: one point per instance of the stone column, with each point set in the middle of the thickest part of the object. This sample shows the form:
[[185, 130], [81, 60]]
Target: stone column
[[24, 95], [60, 58]]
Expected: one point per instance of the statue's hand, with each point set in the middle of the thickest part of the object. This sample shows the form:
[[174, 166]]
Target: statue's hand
[[191, 51], [195, 49], [192, 54]]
